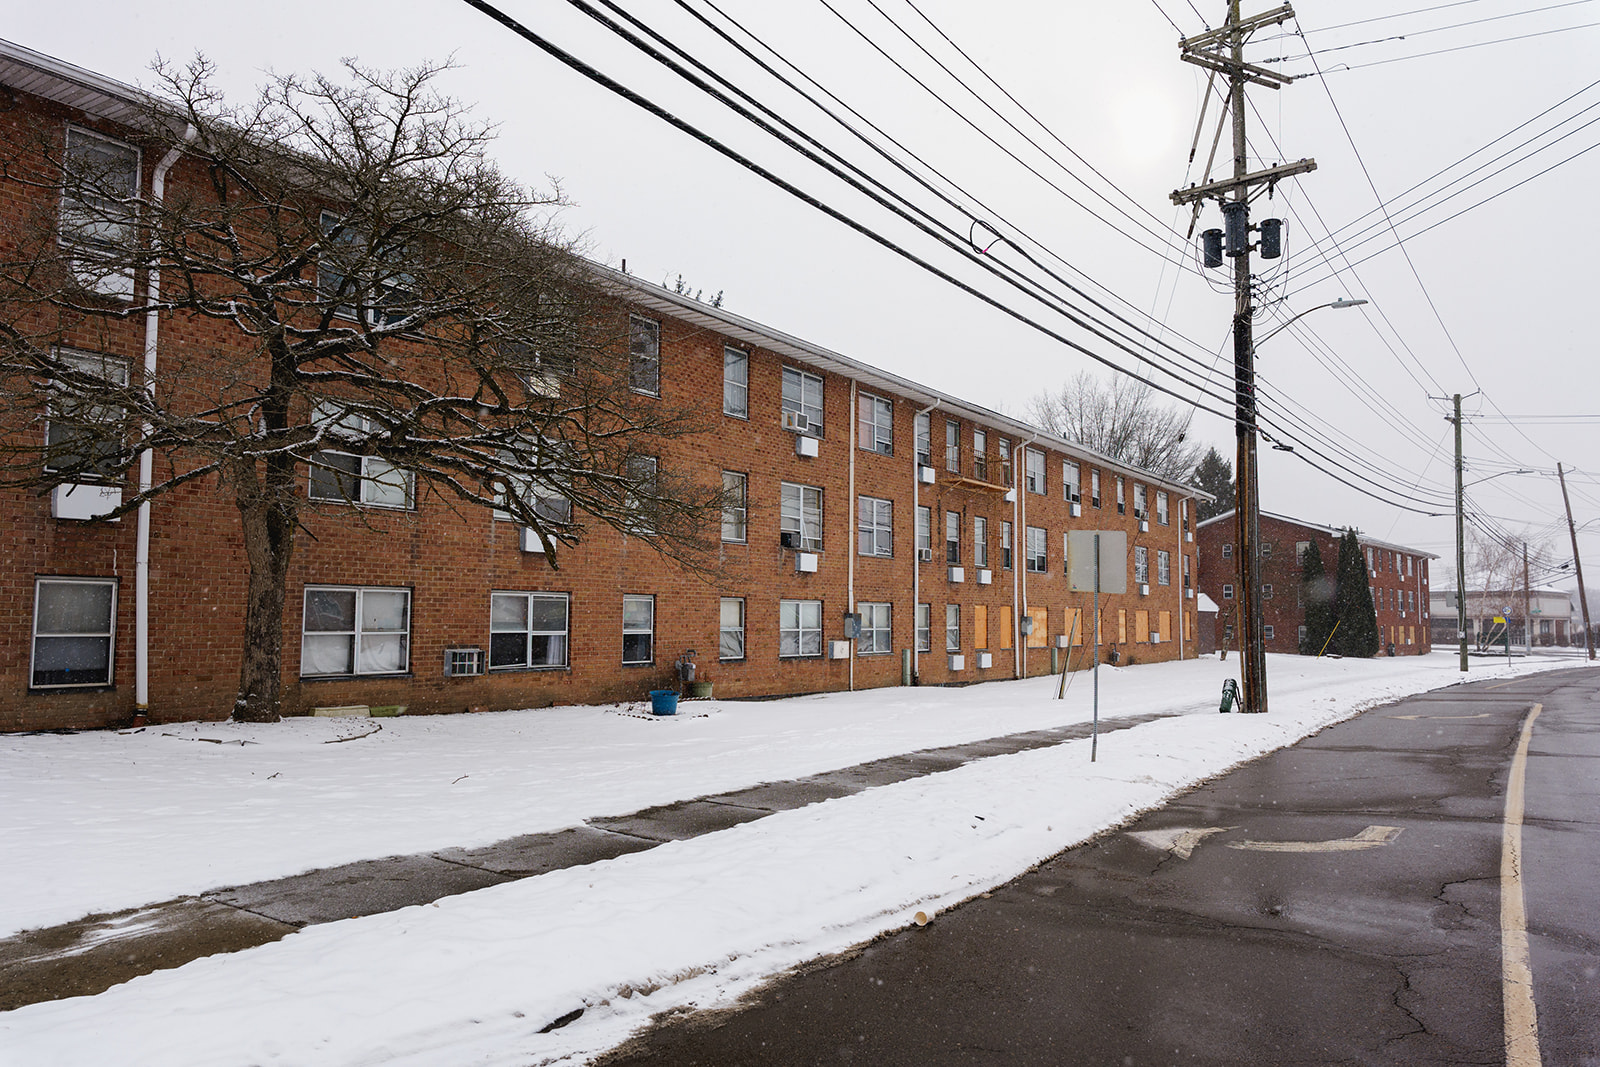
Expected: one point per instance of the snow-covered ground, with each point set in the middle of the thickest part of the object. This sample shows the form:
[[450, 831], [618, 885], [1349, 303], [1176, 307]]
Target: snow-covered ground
[[102, 821]]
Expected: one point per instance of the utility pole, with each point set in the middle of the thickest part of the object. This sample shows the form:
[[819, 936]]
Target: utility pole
[[1527, 602], [1583, 595], [1461, 547], [1221, 51]]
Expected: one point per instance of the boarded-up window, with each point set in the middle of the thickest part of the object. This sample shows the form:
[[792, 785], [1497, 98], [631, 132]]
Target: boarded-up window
[[1165, 629], [1122, 626], [1413, 638], [1004, 619], [1041, 627], [980, 626], [1188, 625], [1141, 627]]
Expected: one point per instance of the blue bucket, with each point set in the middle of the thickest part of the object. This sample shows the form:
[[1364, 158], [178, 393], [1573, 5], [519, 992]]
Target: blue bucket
[[663, 702]]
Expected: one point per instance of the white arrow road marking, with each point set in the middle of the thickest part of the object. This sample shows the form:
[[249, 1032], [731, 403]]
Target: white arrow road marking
[[1371, 837], [1485, 715], [1179, 840]]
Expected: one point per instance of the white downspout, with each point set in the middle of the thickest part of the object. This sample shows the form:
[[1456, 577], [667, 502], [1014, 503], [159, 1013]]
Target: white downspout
[[853, 541], [1019, 540], [1183, 592], [141, 556], [916, 561]]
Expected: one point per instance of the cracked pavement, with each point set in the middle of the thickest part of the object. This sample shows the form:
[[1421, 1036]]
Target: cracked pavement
[[1117, 953]]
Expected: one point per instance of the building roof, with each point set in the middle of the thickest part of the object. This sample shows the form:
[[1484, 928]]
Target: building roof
[[32, 72], [1333, 531]]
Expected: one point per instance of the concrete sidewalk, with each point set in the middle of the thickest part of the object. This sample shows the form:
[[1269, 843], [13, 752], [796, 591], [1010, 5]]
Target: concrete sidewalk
[[99, 951]]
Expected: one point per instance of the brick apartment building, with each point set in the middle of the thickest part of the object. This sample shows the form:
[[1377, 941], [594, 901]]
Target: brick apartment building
[[942, 525], [1398, 578]]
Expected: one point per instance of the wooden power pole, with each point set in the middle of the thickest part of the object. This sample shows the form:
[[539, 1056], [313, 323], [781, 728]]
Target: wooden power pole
[[1221, 51], [1577, 563]]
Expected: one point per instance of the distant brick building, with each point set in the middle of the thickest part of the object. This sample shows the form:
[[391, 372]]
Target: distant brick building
[[1398, 578], [940, 523]]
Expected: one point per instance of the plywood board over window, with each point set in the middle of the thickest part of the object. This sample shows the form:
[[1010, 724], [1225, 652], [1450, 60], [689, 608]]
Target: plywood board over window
[[1040, 638], [1122, 626], [1004, 619], [1166, 626], [980, 626], [1141, 627]]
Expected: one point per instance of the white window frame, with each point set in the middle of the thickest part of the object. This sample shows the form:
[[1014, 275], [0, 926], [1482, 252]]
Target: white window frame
[[980, 455], [725, 629], [1163, 567], [922, 438], [924, 530], [952, 627], [634, 629], [1122, 505], [118, 236], [1227, 550], [1005, 544], [1163, 511], [875, 418], [952, 537], [980, 541], [952, 446], [924, 627], [358, 632], [1268, 632], [1141, 501], [644, 360], [875, 527], [372, 472], [1094, 488], [60, 421], [109, 634], [1033, 466], [800, 509], [1266, 590], [736, 516], [1070, 473], [799, 629], [1038, 552], [803, 394], [877, 628], [1141, 565], [558, 650], [735, 382], [552, 507], [1227, 591]]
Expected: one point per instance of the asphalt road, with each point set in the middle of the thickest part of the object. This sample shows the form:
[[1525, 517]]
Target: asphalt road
[[1339, 903]]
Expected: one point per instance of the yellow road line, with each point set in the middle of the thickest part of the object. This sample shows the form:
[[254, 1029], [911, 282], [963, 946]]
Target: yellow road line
[[1502, 685], [1516, 976]]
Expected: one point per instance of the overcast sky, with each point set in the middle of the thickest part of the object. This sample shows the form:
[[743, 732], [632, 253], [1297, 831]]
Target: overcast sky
[[1498, 301]]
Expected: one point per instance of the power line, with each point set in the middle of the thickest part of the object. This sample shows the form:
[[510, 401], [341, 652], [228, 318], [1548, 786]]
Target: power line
[[1445, 51]]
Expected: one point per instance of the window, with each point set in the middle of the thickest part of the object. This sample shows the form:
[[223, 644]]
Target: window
[[980, 542], [355, 630], [1266, 590], [735, 382], [1033, 459], [644, 355], [1036, 549], [1141, 501], [952, 627], [980, 455], [74, 631], [1227, 550], [800, 513], [952, 446], [1005, 544], [980, 626], [638, 629], [924, 627], [1141, 565], [1267, 632], [1300, 550], [340, 474], [78, 436], [799, 628], [1227, 631], [1301, 635], [735, 506], [924, 434], [97, 218], [1186, 572], [1183, 510], [1162, 515], [1005, 461], [876, 424], [877, 631], [876, 526], [730, 636], [1227, 592], [1122, 507], [924, 533], [640, 497], [361, 274], [1164, 567], [1066, 552], [549, 506], [952, 537], [1266, 550], [1094, 488], [527, 630], [1069, 481], [802, 395]]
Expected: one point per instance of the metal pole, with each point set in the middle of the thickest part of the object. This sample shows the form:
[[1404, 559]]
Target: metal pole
[[1461, 547], [1094, 733], [1527, 603], [1583, 595]]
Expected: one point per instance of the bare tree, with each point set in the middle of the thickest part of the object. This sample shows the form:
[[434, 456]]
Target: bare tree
[[1495, 565], [376, 302], [1121, 419]]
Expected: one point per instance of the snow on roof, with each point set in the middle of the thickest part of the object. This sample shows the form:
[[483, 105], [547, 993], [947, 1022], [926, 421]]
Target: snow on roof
[[1332, 531]]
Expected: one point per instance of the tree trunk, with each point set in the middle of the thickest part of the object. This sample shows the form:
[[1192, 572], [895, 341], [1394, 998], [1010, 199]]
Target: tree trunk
[[269, 516]]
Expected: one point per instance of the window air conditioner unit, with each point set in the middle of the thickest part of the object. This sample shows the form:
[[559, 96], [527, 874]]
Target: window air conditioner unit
[[1063, 641], [463, 662], [1077, 509], [1155, 639], [957, 662], [805, 562], [925, 555], [796, 421], [838, 649], [958, 574], [543, 383], [925, 474], [1011, 496], [1144, 588], [805, 445], [883, 448], [985, 659], [1144, 526], [1189, 593], [531, 542], [789, 539], [985, 576], [83, 501], [1189, 536]]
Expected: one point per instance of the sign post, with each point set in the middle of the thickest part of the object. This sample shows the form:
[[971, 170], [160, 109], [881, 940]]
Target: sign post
[[1098, 562]]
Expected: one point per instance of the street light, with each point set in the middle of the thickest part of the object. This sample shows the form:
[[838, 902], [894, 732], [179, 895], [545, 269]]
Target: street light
[[1247, 509]]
